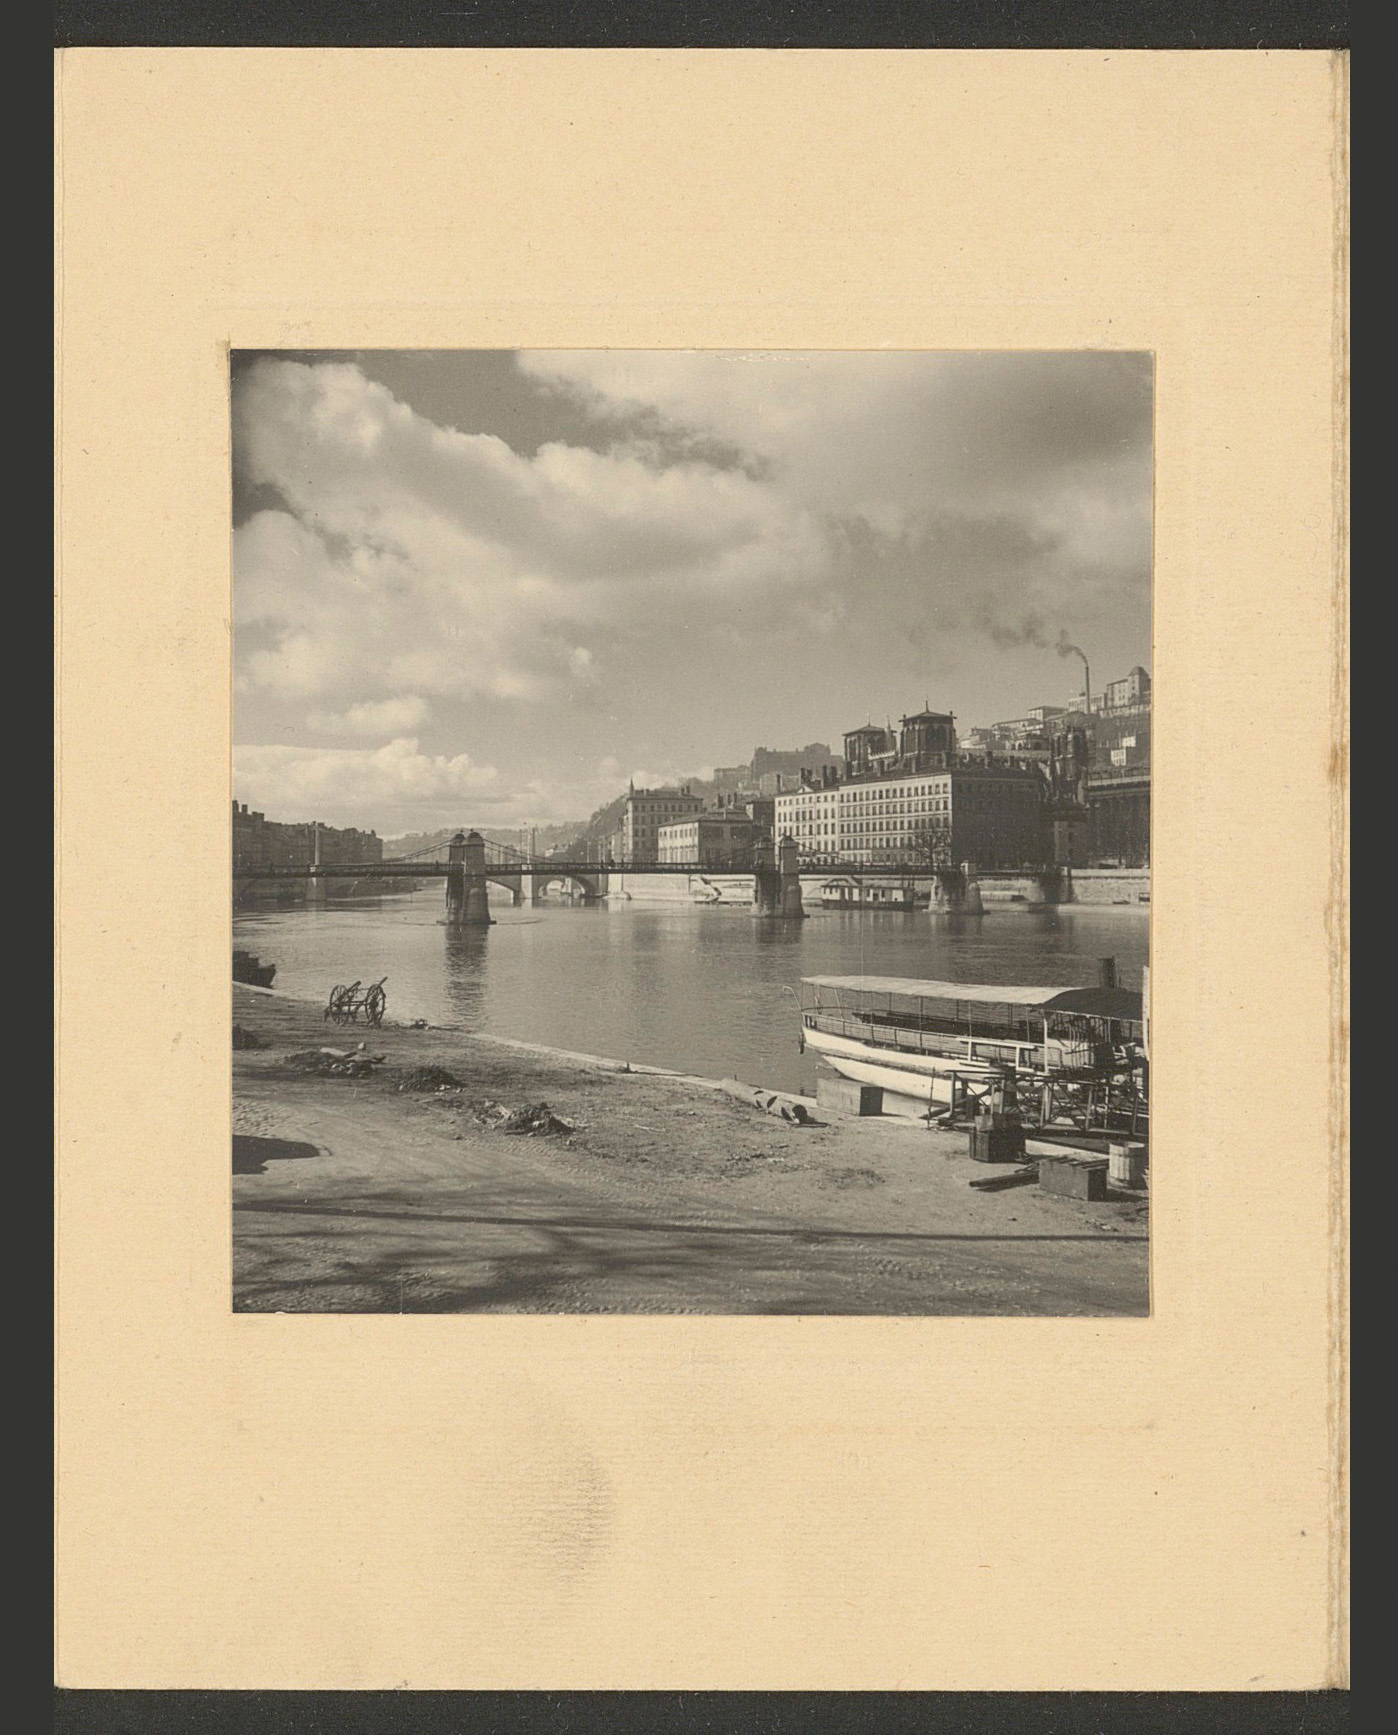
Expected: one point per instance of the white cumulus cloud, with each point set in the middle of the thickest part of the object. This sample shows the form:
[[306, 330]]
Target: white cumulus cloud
[[376, 717], [414, 558]]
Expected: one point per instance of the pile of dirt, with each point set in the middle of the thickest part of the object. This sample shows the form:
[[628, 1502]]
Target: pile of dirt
[[424, 1078], [244, 1038], [534, 1121], [334, 1062]]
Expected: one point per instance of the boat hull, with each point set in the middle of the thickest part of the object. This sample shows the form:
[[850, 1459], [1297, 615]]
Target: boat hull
[[928, 1078]]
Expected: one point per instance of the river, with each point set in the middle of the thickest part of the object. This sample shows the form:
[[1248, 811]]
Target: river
[[708, 991]]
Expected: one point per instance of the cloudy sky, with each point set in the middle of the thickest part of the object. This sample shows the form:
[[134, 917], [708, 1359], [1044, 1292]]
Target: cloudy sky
[[487, 587]]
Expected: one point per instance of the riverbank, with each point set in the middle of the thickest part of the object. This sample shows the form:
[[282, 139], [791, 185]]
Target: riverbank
[[658, 1194]]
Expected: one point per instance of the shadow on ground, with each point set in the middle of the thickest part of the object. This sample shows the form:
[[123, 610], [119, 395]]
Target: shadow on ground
[[521, 1262], [251, 1155]]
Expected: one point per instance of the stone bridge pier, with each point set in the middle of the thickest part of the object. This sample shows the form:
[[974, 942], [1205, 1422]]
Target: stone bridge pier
[[468, 902], [957, 889], [776, 886]]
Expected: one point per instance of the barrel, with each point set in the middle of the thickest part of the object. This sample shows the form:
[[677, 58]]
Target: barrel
[[1126, 1163]]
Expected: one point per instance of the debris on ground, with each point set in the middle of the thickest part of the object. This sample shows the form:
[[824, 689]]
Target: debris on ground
[[418, 1024], [245, 1038], [538, 1118], [425, 1078], [855, 1178], [996, 1183], [773, 1102], [335, 1062]]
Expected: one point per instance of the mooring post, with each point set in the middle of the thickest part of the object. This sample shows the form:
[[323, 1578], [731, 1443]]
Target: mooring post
[[789, 858]]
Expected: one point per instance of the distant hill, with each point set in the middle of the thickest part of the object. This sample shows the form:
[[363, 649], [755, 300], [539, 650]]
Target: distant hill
[[582, 835], [548, 838]]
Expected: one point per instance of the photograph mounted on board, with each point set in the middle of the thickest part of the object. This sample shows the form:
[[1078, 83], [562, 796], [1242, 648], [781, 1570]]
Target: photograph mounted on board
[[691, 831]]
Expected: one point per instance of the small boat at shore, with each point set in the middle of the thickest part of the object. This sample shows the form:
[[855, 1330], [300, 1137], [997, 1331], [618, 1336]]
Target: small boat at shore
[[249, 969], [935, 1042]]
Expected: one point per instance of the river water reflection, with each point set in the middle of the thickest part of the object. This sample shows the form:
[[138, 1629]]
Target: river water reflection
[[704, 990]]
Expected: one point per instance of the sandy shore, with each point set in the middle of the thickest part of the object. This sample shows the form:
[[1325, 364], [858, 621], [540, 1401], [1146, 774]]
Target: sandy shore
[[351, 1195]]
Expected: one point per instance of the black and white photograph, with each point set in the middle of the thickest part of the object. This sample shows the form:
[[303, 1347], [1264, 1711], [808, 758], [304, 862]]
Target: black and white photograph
[[691, 832]]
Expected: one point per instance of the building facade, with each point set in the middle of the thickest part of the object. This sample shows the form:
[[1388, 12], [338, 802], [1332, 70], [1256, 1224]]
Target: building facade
[[760, 809], [637, 837], [1118, 819], [990, 815], [811, 815], [1131, 690], [712, 840], [924, 741], [262, 842]]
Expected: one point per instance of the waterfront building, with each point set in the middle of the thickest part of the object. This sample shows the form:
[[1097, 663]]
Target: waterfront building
[[249, 837], [262, 842], [810, 814], [637, 836], [713, 840], [760, 809], [1118, 818], [987, 814]]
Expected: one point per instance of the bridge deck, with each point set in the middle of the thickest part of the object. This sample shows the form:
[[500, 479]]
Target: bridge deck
[[422, 870]]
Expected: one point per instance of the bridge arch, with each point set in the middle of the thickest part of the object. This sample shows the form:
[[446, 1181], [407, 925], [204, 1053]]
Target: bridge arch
[[511, 880], [592, 886]]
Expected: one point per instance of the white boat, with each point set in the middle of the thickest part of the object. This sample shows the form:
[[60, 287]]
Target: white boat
[[942, 1042]]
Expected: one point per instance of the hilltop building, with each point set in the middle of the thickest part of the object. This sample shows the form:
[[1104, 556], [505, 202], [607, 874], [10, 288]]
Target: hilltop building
[[772, 769]]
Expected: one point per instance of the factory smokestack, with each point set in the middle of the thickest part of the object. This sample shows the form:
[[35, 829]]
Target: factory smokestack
[[1066, 648]]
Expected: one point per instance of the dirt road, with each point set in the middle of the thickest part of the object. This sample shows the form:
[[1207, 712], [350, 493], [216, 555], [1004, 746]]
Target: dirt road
[[352, 1195]]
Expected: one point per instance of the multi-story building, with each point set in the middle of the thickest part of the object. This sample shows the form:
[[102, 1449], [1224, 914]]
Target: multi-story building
[[250, 845], [262, 842], [1129, 691], [811, 815], [987, 814], [637, 836], [713, 840], [760, 809]]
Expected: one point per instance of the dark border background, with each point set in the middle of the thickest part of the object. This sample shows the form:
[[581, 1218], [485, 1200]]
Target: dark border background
[[703, 23], [909, 24], [420, 1713]]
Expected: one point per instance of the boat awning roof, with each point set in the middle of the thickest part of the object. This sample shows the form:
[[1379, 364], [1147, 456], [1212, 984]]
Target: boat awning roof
[[1091, 1002]]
